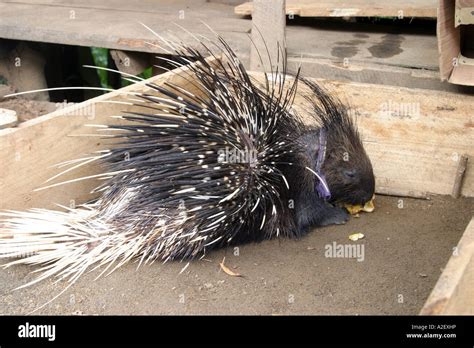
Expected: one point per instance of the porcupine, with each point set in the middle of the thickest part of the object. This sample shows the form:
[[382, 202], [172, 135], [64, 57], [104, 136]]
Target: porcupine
[[180, 194]]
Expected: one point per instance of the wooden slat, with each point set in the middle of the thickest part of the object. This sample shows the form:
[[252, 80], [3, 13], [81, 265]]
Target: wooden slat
[[268, 35], [410, 153], [362, 72], [414, 152], [410, 57], [355, 8], [123, 32], [118, 28], [116, 24], [454, 291], [415, 146], [449, 39]]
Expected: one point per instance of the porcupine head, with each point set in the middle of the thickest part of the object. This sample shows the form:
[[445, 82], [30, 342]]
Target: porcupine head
[[341, 171]]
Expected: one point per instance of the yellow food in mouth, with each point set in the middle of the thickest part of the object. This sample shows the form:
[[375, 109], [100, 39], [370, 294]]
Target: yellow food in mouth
[[355, 209]]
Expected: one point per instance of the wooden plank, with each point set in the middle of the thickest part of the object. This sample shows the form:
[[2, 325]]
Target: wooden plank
[[116, 24], [359, 44], [414, 137], [363, 72], [460, 172], [268, 35], [454, 65], [411, 151], [464, 13], [462, 300], [454, 291], [354, 8], [35, 22], [123, 32], [410, 56], [449, 39], [31, 151]]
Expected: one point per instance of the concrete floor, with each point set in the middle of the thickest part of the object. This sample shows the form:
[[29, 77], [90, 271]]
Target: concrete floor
[[405, 250]]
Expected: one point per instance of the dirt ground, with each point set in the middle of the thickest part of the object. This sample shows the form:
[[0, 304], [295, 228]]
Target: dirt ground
[[28, 109], [405, 249]]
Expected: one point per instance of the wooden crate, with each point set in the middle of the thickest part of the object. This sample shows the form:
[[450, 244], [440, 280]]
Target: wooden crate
[[413, 153], [320, 49], [358, 8], [415, 139]]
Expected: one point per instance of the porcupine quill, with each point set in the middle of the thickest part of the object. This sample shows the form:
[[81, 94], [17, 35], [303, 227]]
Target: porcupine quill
[[179, 195]]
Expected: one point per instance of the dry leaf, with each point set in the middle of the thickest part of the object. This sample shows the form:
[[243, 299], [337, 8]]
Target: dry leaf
[[227, 270], [369, 206], [356, 236]]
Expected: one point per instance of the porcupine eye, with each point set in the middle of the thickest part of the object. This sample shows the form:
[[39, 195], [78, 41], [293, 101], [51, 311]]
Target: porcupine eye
[[350, 176], [362, 188], [350, 173]]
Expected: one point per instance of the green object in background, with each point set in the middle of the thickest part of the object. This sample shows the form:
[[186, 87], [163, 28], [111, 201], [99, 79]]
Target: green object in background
[[146, 74], [101, 58]]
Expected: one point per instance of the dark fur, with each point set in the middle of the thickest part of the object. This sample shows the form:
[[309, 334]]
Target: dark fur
[[347, 168]]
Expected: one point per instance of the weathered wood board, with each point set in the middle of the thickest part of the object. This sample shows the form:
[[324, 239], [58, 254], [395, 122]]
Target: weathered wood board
[[410, 57], [454, 291], [414, 138], [355, 8], [413, 148], [116, 24], [268, 22]]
